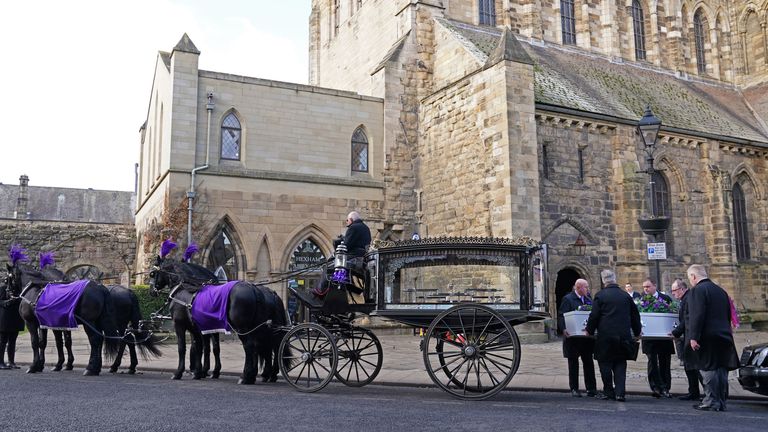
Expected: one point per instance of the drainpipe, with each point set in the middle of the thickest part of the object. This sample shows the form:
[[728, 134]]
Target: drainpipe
[[191, 194]]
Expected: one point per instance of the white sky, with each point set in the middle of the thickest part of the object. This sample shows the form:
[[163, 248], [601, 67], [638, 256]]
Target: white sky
[[77, 75]]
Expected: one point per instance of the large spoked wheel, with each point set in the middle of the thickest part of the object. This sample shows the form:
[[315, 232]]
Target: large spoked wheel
[[471, 352], [308, 357], [360, 356]]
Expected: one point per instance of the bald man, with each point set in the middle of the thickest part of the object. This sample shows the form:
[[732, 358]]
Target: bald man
[[578, 346]]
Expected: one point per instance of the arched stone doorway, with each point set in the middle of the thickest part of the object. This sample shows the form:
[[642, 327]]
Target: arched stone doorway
[[564, 284]]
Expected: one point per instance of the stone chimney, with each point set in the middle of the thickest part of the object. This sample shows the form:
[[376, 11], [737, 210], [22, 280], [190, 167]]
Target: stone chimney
[[23, 200]]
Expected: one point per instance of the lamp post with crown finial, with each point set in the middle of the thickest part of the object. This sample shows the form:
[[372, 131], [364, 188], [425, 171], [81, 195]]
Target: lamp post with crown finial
[[654, 224]]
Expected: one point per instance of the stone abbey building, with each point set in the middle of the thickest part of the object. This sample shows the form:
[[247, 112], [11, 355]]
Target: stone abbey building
[[477, 118]]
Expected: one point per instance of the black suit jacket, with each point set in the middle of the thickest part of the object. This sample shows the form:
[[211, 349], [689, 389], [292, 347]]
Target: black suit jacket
[[573, 346], [664, 347], [616, 319], [357, 238], [710, 325]]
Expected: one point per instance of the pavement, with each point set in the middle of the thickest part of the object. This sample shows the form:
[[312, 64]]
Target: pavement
[[542, 366]]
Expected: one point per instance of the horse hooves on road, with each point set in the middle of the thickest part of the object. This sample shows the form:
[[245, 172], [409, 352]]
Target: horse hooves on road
[[131, 371], [57, 368], [68, 367], [246, 382], [90, 373]]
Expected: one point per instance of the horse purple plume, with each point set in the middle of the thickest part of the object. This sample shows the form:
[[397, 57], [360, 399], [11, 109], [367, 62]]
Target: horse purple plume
[[191, 250], [17, 254], [46, 258], [166, 248]]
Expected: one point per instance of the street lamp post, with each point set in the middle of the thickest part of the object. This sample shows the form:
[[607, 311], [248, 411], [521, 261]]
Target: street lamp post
[[656, 225]]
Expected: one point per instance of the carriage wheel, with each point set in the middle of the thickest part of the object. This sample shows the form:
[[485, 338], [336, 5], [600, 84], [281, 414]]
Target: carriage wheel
[[471, 351], [360, 356], [308, 357]]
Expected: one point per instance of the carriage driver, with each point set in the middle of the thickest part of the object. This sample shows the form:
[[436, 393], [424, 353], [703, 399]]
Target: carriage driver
[[357, 238]]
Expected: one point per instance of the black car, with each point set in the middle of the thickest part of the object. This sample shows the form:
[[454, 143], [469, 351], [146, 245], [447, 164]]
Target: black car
[[753, 374]]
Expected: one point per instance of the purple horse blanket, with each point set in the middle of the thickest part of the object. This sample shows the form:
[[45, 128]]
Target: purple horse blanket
[[55, 308], [209, 308]]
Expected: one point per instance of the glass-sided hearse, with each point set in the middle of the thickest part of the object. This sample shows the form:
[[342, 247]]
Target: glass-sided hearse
[[467, 293]]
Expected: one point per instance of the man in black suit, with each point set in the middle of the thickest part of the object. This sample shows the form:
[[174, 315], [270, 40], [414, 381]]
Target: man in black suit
[[680, 291], [631, 291], [710, 338], [616, 319], [659, 352], [357, 238], [578, 346]]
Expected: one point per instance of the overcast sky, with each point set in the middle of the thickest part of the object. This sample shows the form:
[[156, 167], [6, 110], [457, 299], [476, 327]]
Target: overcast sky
[[77, 75]]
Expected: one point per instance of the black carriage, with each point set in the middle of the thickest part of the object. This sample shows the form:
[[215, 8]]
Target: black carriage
[[468, 293]]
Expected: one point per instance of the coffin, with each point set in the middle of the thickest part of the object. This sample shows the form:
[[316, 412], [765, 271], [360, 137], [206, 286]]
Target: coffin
[[658, 325], [576, 322]]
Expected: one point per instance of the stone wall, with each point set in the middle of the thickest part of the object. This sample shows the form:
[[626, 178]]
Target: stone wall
[[110, 247]]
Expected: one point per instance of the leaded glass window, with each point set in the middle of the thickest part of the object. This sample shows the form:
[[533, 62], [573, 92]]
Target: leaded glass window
[[223, 257], [230, 137], [639, 23], [660, 194], [359, 151], [700, 36], [568, 21], [740, 226], [487, 12]]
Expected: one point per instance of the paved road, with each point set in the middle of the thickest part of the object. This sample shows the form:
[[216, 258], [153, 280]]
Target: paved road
[[542, 366], [67, 401]]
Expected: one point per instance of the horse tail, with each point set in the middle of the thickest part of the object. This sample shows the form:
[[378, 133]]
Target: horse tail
[[279, 321], [145, 340], [108, 325]]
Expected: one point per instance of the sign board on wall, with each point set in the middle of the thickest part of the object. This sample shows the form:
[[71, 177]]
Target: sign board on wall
[[657, 251]]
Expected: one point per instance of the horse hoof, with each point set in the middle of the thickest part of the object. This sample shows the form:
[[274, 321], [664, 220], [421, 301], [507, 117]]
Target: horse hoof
[[246, 382], [176, 377], [273, 379], [68, 367], [131, 371], [89, 372], [198, 376], [113, 370], [31, 370], [57, 368], [215, 375]]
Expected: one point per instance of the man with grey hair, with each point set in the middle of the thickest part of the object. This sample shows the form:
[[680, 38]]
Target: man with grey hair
[[710, 339], [357, 238], [615, 318], [680, 291], [578, 346]]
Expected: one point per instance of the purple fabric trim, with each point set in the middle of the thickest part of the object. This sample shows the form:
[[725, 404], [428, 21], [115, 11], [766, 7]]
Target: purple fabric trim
[[209, 308], [56, 306], [340, 275]]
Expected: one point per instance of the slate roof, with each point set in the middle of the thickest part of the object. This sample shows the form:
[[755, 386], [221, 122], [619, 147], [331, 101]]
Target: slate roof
[[574, 79], [70, 205]]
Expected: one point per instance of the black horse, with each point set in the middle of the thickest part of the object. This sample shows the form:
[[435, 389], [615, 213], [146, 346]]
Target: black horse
[[128, 316], [63, 338], [94, 310], [253, 313]]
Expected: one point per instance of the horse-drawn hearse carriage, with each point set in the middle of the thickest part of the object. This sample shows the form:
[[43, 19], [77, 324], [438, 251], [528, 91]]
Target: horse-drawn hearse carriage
[[468, 293]]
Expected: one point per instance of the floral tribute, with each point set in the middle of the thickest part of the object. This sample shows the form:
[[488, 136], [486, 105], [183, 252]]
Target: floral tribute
[[587, 306], [651, 304]]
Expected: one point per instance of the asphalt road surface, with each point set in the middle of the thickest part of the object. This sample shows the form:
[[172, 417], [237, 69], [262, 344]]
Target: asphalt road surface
[[67, 401]]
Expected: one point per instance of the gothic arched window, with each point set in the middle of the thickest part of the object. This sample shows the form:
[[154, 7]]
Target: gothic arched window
[[223, 257], [740, 226], [230, 137], [487, 12], [568, 21], [699, 34], [662, 202], [661, 195], [638, 20], [359, 151]]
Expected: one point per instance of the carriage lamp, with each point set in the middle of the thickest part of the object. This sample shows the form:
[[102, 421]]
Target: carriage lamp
[[340, 261]]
